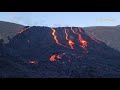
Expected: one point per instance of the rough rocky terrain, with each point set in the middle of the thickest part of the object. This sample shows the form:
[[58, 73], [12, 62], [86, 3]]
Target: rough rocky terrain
[[63, 52]]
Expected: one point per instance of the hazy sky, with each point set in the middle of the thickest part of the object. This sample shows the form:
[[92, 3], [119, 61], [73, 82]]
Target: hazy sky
[[81, 19]]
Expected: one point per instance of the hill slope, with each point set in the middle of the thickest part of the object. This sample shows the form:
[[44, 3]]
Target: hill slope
[[107, 34], [60, 52], [52, 52], [9, 29]]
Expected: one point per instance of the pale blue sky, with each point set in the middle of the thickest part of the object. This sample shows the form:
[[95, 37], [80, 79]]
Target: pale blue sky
[[81, 19]]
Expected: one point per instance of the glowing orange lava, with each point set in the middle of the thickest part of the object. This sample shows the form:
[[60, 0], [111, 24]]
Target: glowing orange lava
[[52, 58], [23, 30], [84, 43], [70, 42], [55, 38], [81, 40], [56, 57], [66, 35]]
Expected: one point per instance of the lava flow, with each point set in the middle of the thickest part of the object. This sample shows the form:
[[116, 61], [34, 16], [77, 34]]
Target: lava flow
[[53, 58], [56, 57], [89, 36], [81, 40], [23, 30], [55, 38], [70, 42]]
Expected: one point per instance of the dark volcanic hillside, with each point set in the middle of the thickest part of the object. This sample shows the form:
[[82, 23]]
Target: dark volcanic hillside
[[62, 52]]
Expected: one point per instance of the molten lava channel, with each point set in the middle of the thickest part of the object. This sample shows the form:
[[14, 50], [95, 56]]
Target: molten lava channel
[[52, 58], [55, 38], [21, 31], [70, 42], [81, 40], [56, 57]]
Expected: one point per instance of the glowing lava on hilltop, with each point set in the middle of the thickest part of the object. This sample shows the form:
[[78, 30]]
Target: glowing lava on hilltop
[[81, 40], [70, 42], [55, 38], [23, 30], [53, 58], [56, 57]]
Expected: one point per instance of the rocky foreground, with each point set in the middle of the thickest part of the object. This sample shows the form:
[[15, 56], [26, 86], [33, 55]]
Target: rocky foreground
[[64, 52]]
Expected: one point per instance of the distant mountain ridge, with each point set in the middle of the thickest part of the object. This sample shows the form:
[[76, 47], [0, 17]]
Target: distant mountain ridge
[[107, 34], [9, 29]]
